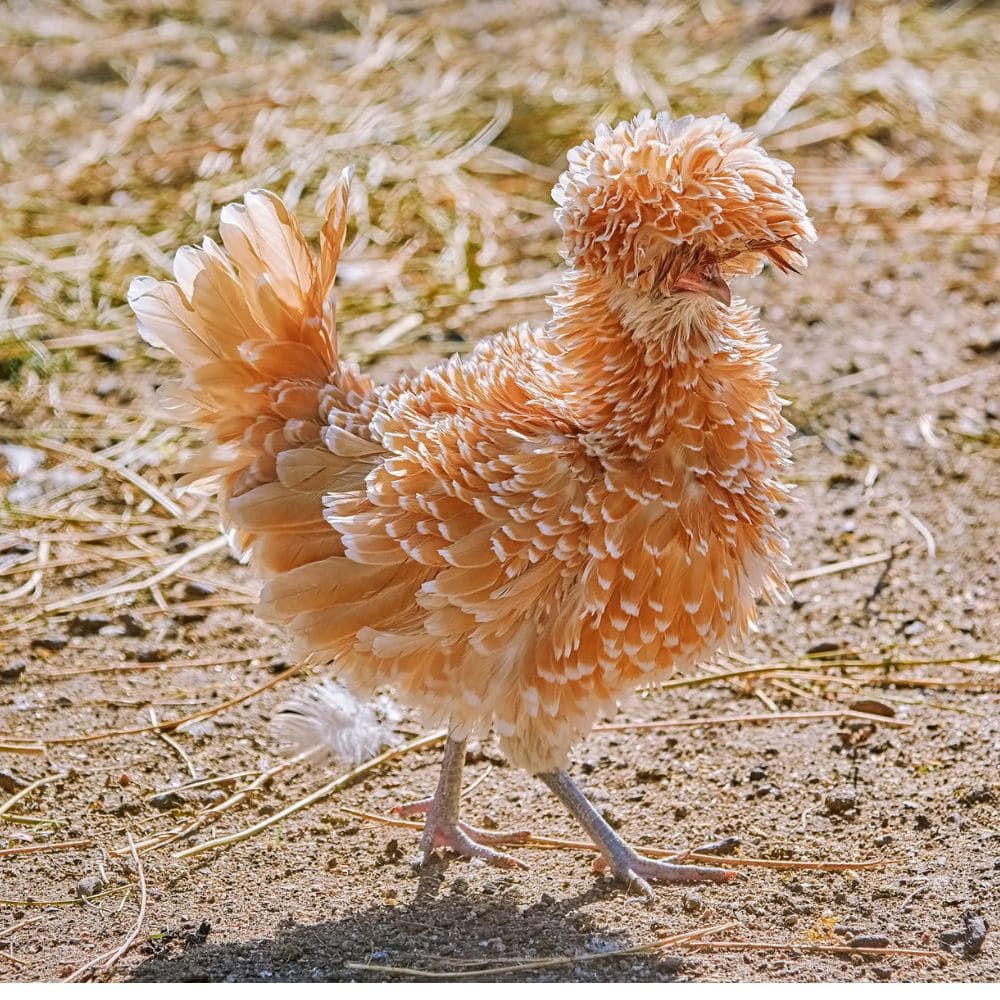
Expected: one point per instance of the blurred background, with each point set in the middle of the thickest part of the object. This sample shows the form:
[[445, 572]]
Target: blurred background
[[127, 125]]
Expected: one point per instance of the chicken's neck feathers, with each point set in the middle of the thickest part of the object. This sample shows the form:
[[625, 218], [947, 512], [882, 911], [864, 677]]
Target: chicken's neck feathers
[[632, 361]]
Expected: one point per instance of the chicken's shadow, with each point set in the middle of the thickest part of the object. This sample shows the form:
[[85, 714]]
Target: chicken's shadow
[[434, 932]]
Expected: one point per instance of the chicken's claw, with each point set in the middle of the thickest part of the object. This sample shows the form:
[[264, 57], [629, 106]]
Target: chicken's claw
[[462, 838], [443, 828], [469, 842], [624, 862], [637, 872]]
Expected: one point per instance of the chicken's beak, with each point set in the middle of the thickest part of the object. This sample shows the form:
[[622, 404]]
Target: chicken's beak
[[704, 277]]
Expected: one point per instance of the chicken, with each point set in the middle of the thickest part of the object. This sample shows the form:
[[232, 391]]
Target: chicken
[[515, 539]]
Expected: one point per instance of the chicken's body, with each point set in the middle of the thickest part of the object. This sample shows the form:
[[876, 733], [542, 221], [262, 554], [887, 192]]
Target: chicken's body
[[517, 538]]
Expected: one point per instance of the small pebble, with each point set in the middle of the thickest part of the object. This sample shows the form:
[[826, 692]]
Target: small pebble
[[840, 800], [392, 851], [179, 544], [980, 793], [728, 845], [844, 930], [971, 936], [869, 941], [134, 628], [106, 386], [12, 670], [10, 782], [190, 617], [985, 345], [90, 886], [53, 642], [84, 625], [829, 646], [166, 800], [611, 818], [975, 933], [692, 903], [645, 774]]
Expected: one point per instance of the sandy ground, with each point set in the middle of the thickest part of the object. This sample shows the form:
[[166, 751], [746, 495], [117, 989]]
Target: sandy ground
[[894, 389]]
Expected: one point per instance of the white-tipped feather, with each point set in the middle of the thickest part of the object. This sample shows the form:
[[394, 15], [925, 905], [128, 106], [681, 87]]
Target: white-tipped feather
[[326, 721]]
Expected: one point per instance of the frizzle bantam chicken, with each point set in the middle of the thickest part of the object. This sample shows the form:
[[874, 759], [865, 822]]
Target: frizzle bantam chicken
[[515, 539]]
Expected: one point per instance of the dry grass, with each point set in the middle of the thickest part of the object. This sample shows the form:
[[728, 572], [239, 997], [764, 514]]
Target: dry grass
[[127, 125]]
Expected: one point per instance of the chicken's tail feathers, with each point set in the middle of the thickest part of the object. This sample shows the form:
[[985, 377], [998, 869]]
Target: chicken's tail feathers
[[262, 286], [253, 325], [334, 229]]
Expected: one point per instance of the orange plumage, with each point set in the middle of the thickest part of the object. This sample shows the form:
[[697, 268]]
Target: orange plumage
[[516, 538]]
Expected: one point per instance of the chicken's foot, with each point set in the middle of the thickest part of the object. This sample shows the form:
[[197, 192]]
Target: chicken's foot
[[443, 828], [625, 863]]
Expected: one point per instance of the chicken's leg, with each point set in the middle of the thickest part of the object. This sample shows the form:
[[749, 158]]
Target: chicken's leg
[[631, 867], [443, 828]]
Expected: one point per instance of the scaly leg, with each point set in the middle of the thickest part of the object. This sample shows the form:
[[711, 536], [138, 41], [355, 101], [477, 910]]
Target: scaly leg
[[632, 868], [443, 828]]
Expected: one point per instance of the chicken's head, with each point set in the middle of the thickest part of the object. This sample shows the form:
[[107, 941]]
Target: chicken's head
[[678, 207]]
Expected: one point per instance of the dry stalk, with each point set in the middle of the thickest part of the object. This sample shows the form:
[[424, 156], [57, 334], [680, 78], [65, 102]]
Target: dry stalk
[[33, 585], [66, 845], [845, 566], [114, 668], [614, 727], [338, 784], [556, 843], [108, 959], [516, 966], [167, 837], [28, 789], [128, 585], [24, 904], [28, 749], [171, 724], [116, 469], [830, 949]]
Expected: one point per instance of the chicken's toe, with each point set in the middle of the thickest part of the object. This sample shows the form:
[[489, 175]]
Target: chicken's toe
[[468, 842], [443, 828], [637, 872]]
